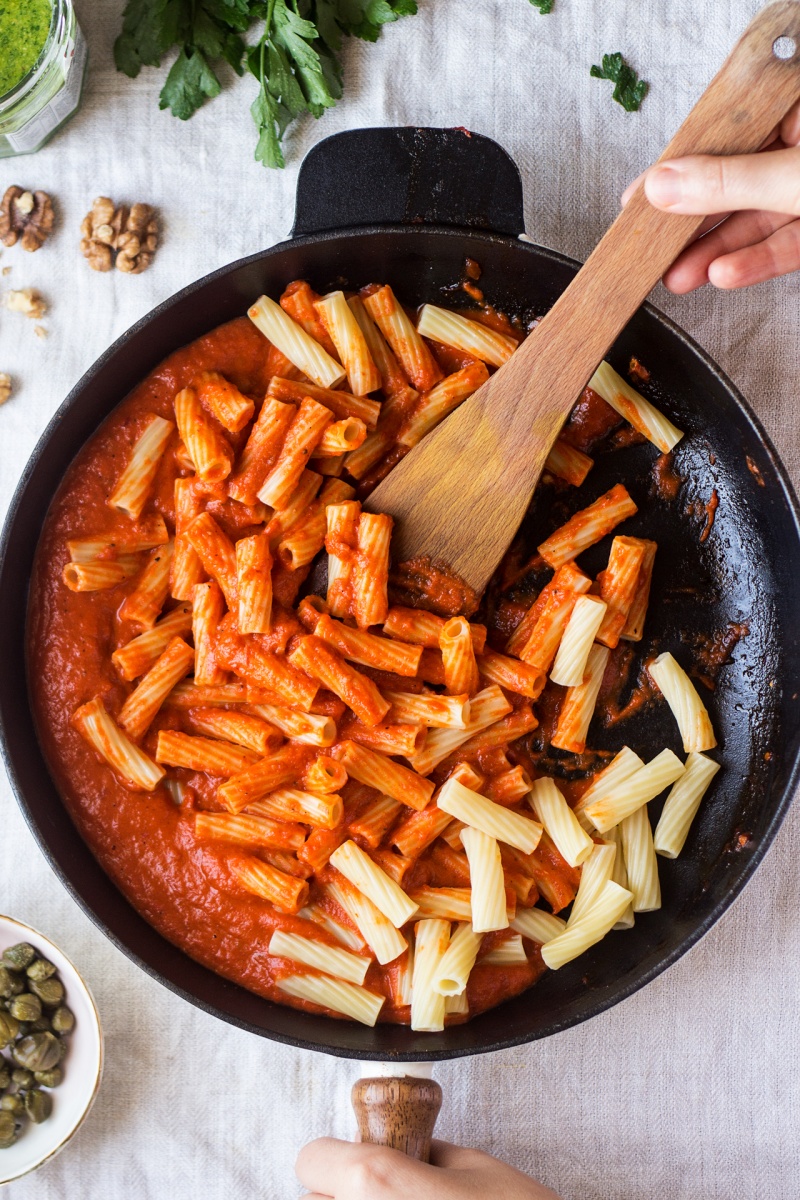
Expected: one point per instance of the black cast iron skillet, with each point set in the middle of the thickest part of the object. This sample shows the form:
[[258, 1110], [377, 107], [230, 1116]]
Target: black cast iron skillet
[[408, 206]]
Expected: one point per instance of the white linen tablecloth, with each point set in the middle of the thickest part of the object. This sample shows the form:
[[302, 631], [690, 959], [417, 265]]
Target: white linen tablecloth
[[687, 1091]]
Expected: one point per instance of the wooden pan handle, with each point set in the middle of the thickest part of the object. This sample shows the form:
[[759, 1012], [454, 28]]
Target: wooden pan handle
[[398, 1112]]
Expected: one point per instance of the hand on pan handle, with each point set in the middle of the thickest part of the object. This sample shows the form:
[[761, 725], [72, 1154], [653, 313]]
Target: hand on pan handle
[[753, 206], [354, 1171]]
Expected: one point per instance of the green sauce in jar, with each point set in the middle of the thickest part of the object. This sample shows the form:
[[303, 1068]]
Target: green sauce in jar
[[24, 26]]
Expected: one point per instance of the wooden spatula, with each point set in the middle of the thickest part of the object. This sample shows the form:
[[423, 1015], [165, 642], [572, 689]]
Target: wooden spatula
[[461, 494]]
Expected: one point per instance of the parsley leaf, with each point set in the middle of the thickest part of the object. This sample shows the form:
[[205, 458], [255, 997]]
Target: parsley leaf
[[295, 61], [629, 90], [544, 6]]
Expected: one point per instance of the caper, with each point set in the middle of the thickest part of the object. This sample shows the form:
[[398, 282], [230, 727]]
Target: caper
[[12, 1103], [49, 991], [6, 982], [9, 1028], [63, 1047], [9, 1130], [40, 969], [26, 1007], [37, 1052], [22, 1077], [19, 957], [63, 1020], [38, 1105], [5, 1074], [51, 1078], [41, 1025], [19, 984]]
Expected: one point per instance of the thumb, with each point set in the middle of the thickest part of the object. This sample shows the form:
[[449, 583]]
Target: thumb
[[708, 184]]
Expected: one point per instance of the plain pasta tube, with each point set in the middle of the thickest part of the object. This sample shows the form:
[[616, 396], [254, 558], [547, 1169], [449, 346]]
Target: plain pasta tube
[[537, 925], [682, 804], [638, 412], [431, 940], [492, 819], [446, 903], [508, 953], [577, 710], [292, 340], [375, 884], [209, 450], [596, 871], [348, 937], [622, 766], [312, 953], [393, 378], [632, 793], [102, 733], [458, 657], [384, 940], [584, 621], [640, 860], [138, 711], [687, 708], [349, 999], [453, 329], [620, 875], [412, 352], [573, 843], [590, 929], [351, 346], [455, 965], [134, 484], [588, 526], [489, 910]]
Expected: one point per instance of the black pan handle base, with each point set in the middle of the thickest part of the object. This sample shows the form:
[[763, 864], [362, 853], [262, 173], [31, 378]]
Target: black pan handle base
[[408, 177]]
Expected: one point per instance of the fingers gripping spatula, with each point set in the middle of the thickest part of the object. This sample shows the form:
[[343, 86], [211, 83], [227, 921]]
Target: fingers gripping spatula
[[460, 495]]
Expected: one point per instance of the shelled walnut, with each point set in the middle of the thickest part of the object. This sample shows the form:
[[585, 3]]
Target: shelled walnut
[[118, 235], [27, 217], [6, 387], [27, 301]]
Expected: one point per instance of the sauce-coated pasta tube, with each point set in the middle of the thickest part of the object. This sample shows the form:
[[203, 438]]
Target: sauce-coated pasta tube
[[458, 657], [374, 822], [186, 570], [314, 953], [384, 940], [537, 925], [251, 783], [439, 402], [586, 617], [388, 739], [370, 578], [578, 707], [99, 575], [314, 729], [134, 484], [208, 609], [340, 543], [138, 711], [588, 526], [552, 810], [254, 584], [349, 999], [292, 804], [306, 536], [487, 881], [246, 830], [130, 763], [634, 626], [143, 605], [512, 674], [341, 404], [499, 734], [373, 882], [687, 708], [224, 401], [351, 346], [209, 450], [261, 449], [242, 729], [148, 533], [536, 638], [637, 790], [618, 586], [393, 379], [176, 749], [457, 962], [299, 300], [321, 662], [324, 776], [431, 939], [590, 929], [485, 709], [492, 819], [388, 777], [638, 412], [292, 340], [424, 628], [285, 892], [427, 708], [302, 436], [641, 863], [413, 354], [416, 832], [682, 804], [567, 462], [217, 554], [453, 329], [138, 655], [369, 649], [341, 437]]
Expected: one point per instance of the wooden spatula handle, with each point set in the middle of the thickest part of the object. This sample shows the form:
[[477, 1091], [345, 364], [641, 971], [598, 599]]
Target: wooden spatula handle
[[398, 1112], [461, 493]]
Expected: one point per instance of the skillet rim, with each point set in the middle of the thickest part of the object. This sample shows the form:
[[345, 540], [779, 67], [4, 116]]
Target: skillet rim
[[600, 1004]]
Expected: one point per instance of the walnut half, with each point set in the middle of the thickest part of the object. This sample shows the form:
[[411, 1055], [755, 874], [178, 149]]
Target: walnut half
[[112, 234], [27, 217]]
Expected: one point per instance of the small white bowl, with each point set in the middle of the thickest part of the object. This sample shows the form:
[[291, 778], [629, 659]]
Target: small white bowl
[[83, 1066]]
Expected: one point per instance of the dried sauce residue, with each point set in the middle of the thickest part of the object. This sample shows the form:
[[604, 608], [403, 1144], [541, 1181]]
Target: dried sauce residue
[[637, 372], [754, 471], [590, 421], [666, 481], [424, 583], [707, 510], [712, 651], [611, 707]]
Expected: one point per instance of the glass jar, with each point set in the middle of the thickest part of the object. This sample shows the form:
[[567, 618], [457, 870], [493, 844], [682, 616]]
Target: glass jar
[[44, 99]]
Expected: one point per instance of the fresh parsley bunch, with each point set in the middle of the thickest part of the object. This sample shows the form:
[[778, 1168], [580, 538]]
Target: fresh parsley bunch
[[295, 61]]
